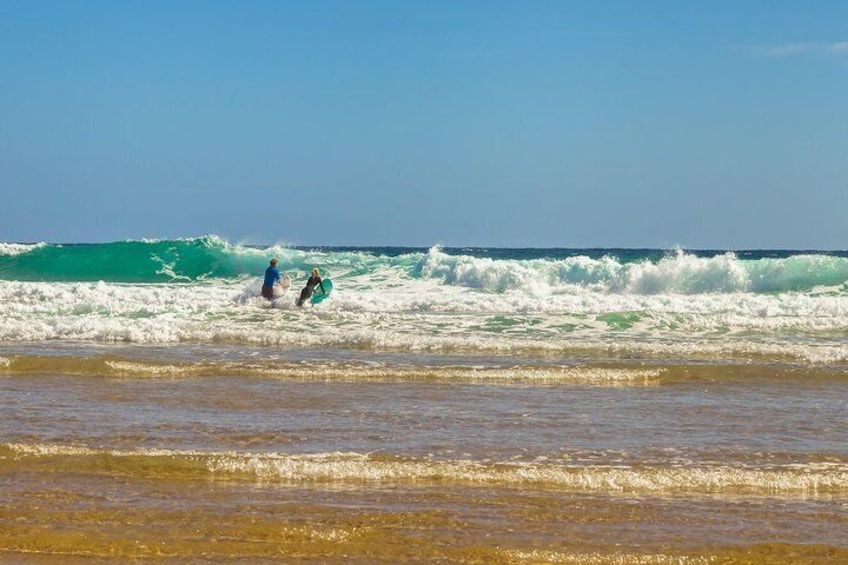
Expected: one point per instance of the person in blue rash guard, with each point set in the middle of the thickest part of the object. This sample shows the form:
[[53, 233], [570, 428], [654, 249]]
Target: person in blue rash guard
[[272, 275]]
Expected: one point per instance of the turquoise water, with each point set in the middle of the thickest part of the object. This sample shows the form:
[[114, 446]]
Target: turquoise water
[[642, 271]]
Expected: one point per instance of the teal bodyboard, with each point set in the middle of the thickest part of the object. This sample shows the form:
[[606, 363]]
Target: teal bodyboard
[[317, 296]]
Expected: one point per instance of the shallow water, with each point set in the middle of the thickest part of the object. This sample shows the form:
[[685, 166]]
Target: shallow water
[[249, 457]]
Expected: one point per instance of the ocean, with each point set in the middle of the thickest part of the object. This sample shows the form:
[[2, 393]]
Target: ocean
[[444, 405]]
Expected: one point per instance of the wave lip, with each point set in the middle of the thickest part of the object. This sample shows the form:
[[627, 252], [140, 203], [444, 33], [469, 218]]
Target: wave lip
[[10, 249]]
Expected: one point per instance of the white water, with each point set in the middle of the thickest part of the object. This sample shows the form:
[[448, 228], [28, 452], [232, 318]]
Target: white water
[[391, 309]]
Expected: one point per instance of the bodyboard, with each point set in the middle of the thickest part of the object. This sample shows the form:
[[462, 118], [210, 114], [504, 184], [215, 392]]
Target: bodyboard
[[318, 296]]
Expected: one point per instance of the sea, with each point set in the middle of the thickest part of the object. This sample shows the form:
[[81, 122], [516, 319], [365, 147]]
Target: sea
[[443, 405]]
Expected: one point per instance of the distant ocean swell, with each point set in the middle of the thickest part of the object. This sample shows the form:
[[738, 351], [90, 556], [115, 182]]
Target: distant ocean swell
[[794, 480], [637, 272]]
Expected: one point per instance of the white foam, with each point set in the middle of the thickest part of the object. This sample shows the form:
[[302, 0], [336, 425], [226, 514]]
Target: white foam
[[718, 479], [807, 480], [19, 248], [618, 558], [677, 273], [399, 312]]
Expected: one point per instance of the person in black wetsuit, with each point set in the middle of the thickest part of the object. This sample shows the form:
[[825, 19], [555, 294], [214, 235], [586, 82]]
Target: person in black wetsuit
[[311, 283]]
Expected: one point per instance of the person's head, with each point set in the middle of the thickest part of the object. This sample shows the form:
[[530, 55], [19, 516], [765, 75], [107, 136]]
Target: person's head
[[315, 271], [273, 262]]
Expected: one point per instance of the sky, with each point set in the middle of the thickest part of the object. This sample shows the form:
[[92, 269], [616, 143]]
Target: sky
[[658, 123]]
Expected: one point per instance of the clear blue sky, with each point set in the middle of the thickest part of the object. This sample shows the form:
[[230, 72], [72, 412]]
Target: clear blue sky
[[712, 124]]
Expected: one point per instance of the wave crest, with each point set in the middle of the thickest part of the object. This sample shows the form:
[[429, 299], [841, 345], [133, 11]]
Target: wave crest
[[677, 272]]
